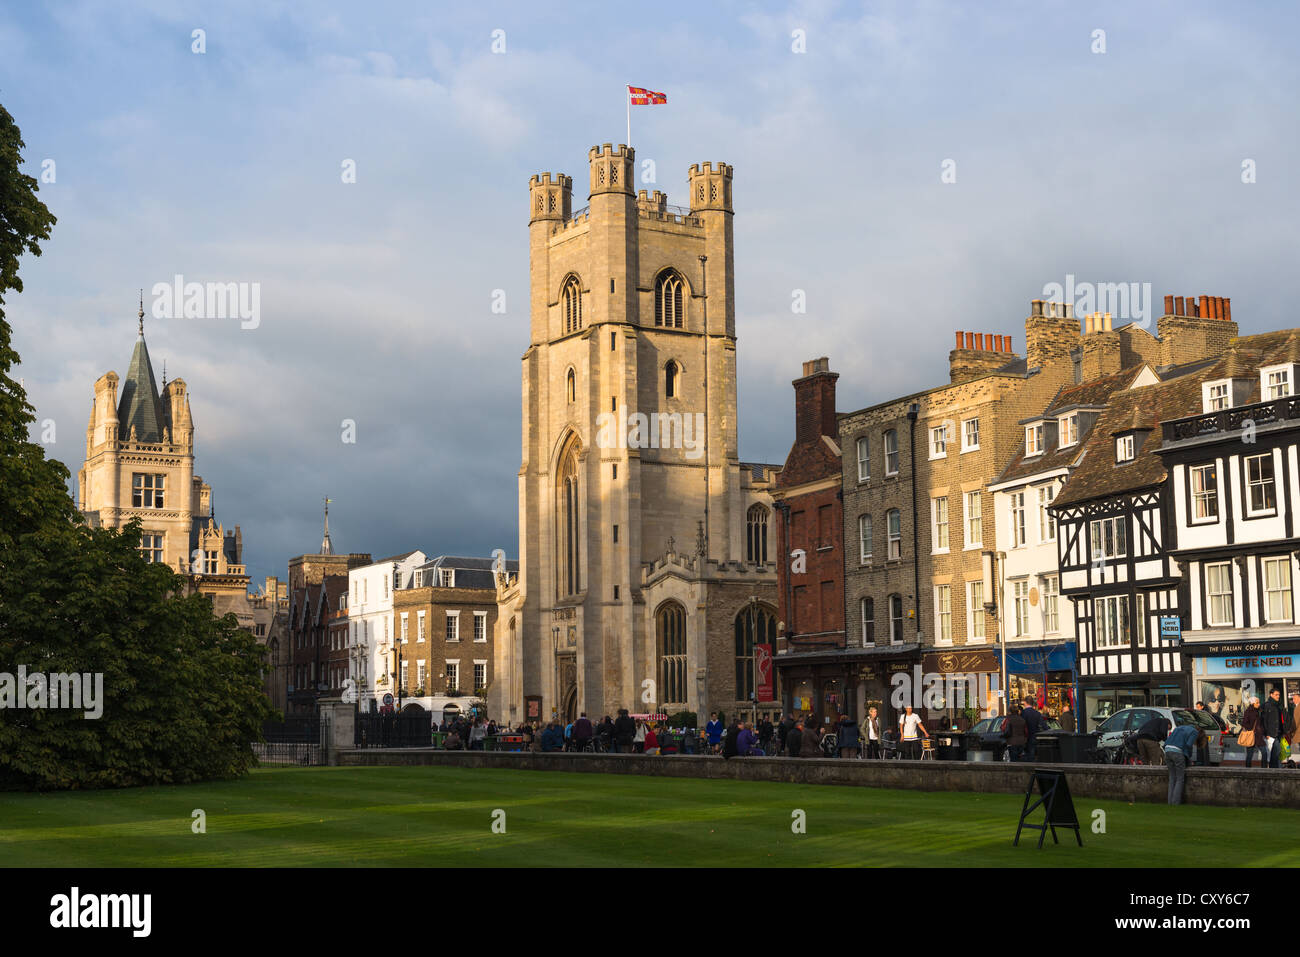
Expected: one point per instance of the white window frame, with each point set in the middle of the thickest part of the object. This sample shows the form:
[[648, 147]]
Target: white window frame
[[1050, 594], [419, 627], [477, 663], [1020, 607], [939, 524], [1046, 521], [939, 442], [1203, 498], [480, 626], [1283, 589], [453, 622], [862, 619], [943, 614], [1111, 628], [864, 539], [973, 522], [1097, 537], [1124, 448], [885, 444], [452, 665], [864, 459], [1034, 440], [406, 628], [421, 673], [1216, 396], [1217, 600], [1252, 483], [895, 539], [1280, 388], [1067, 428], [970, 427], [1019, 529], [975, 633]]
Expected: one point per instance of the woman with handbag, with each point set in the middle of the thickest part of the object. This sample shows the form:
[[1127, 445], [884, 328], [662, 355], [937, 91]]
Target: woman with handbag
[[1250, 737]]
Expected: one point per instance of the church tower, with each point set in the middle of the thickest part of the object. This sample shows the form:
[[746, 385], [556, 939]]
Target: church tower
[[629, 442]]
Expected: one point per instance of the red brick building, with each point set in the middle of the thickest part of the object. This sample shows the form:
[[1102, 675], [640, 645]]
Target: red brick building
[[811, 664]]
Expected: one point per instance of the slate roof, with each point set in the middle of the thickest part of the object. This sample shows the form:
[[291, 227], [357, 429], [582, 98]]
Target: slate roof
[[470, 572], [1099, 476], [1095, 392], [140, 405]]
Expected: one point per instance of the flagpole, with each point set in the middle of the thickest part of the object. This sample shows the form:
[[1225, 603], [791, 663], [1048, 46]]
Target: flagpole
[[628, 94]]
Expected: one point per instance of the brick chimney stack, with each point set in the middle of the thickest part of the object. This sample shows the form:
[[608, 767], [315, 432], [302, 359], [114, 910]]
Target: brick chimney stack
[[814, 402]]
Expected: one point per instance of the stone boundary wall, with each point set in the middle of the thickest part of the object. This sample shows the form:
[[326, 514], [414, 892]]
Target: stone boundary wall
[[1230, 787]]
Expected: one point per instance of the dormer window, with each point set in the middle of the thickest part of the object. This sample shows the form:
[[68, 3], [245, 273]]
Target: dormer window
[[1217, 395], [1068, 429], [1124, 449], [1275, 382], [1034, 439]]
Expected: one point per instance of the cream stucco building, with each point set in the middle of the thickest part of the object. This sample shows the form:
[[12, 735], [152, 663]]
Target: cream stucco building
[[646, 567]]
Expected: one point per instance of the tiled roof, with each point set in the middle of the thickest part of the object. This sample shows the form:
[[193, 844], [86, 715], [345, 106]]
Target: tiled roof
[[139, 405]]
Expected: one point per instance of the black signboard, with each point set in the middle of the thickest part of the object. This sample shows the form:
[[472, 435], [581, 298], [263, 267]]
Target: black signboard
[[1251, 646], [1054, 797]]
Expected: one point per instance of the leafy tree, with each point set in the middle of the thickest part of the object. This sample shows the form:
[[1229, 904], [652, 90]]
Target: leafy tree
[[182, 698]]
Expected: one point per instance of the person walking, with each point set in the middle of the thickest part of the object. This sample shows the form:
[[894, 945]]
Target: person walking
[[1272, 720], [850, 746], [793, 739], [873, 732], [1178, 751], [1251, 737], [911, 731], [810, 745], [1015, 731], [1035, 723], [624, 732], [1150, 736]]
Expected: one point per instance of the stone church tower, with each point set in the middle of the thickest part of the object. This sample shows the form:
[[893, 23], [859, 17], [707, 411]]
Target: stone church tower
[[642, 536]]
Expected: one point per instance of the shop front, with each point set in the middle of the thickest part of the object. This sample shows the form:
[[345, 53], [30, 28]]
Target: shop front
[[965, 686], [1044, 673], [1102, 697], [828, 684], [1226, 674]]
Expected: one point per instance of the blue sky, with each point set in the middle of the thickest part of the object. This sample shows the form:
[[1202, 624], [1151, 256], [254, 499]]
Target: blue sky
[[1123, 166]]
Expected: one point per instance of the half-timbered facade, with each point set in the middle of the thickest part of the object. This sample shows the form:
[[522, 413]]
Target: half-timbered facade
[[1234, 487], [1113, 537]]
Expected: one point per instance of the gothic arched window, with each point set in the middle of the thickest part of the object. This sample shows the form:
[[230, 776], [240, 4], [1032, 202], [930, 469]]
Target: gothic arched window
[[669, 307], [569, 527], [755, 624], [570, 387], [672, 379], [756, 535], [571, 299], [670, 637]]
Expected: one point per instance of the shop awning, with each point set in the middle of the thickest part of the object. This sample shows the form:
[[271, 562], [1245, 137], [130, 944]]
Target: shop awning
[[1040, 658]]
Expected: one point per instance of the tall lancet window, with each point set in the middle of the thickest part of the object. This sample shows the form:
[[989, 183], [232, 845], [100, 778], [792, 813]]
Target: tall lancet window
[[669, 307], [756, 535], [568, 512], [672, 376], [571, 299]]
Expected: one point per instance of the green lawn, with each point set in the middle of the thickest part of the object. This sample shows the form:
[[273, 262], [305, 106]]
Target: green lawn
[[429, 816]]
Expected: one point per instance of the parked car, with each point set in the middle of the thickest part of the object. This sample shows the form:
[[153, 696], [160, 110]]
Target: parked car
[[1111, 731], [988, 732]]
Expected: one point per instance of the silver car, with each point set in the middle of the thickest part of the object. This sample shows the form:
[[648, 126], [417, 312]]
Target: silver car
[[1111, 731]]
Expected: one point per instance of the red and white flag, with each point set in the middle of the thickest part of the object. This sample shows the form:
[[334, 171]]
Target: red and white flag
[[640, 96]]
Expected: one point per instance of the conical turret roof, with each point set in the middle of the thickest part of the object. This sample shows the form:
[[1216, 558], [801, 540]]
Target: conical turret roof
[[140, 405]]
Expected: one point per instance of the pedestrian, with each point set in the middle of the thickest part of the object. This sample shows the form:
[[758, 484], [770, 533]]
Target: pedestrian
[[783, 730], [1251, 737], [793, 739], [731, 741], [713, 732], [873, 732], [1067, 719], [583, 732], [911, 731], [477, 735], [1272, 720], [850, 746], [810, 745], [1035, 723], [1153, 733], [1293, 760], [624, 732], [638, 738], [1178, 751], [765, 733], [1015, 731]]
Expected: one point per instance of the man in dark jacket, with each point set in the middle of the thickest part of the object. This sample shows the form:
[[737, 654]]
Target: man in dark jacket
[[582, 732], [765, 732], [1272, 721], [1150, 737], [783, 730], [1034, 723], [1015, 730], [850, 746], [732, 739], [624, 731], [793, 739]]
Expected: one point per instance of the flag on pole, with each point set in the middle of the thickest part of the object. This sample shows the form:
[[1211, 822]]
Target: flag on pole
[[643, 97]]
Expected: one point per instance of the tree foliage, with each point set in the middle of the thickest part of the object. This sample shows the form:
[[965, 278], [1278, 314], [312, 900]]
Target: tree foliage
[[182, 693]]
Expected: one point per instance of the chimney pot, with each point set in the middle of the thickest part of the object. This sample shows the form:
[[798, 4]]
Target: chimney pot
[[1179, 306], [979, 341], [1205, 307], [1169, 305], [1035, 307], [959, 340], [1227, 308]]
